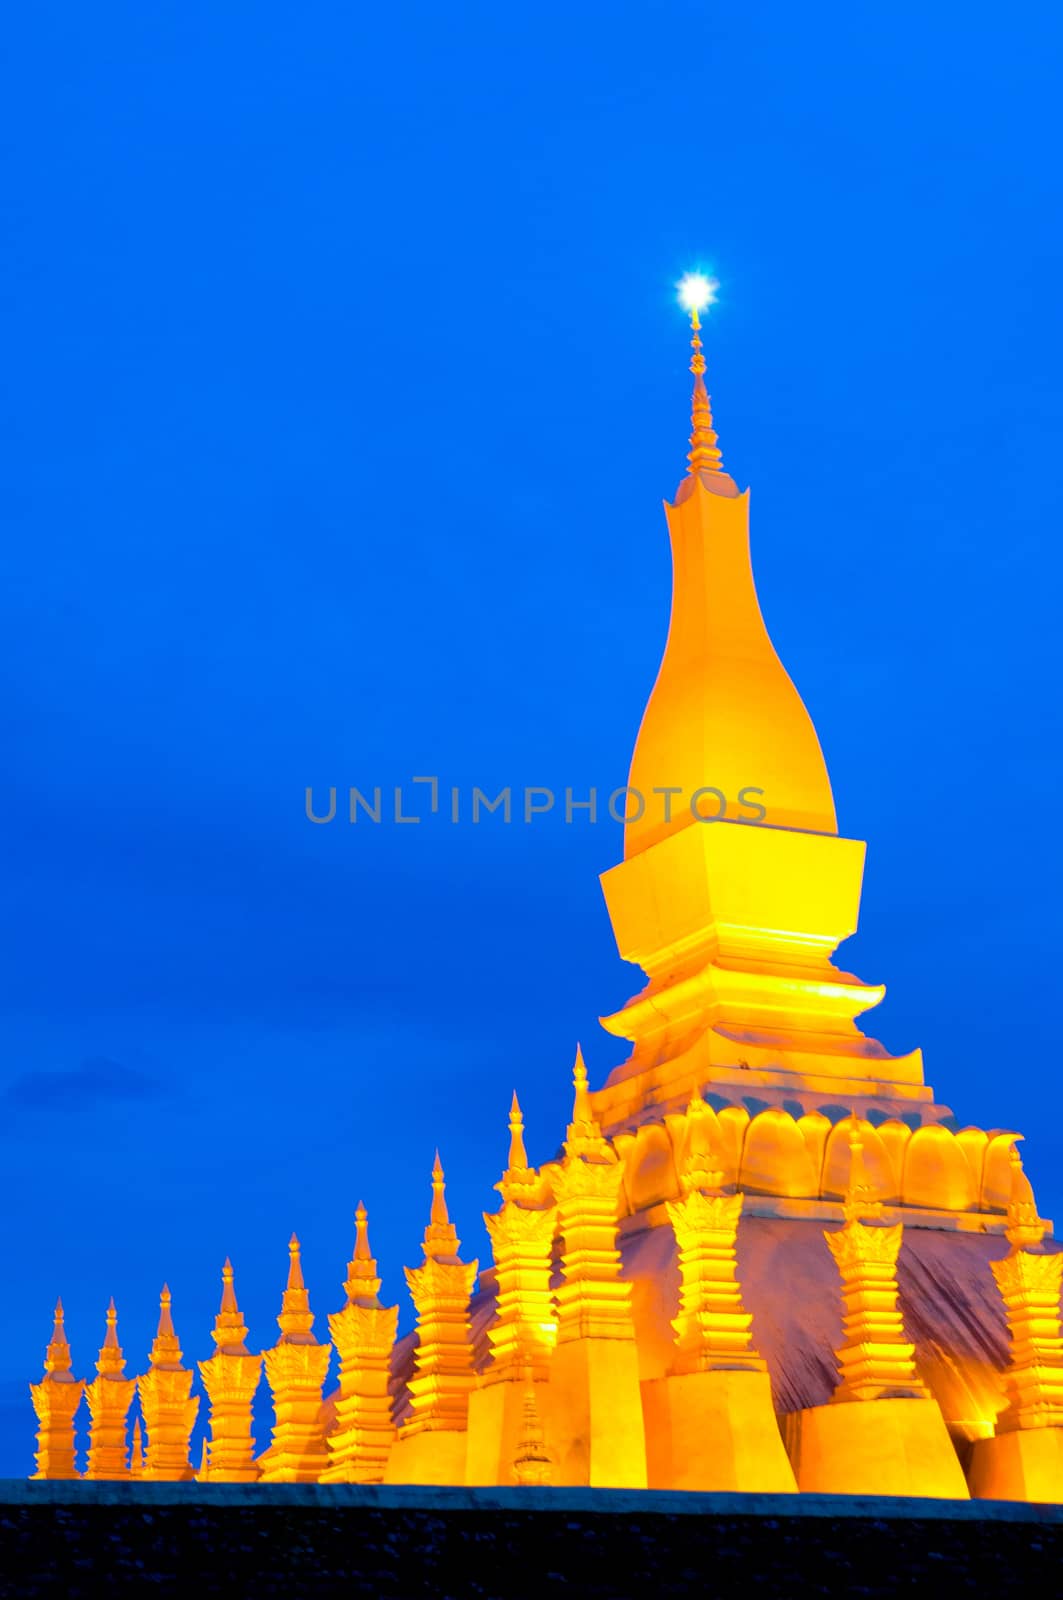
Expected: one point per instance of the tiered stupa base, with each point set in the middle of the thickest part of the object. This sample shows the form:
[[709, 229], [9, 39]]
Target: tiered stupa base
[[715, 1431], [1025, 1464], [893, 1447]]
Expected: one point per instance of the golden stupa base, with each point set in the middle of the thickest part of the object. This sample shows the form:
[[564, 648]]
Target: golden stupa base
[[715, 1431], [597, 1439], [433, 1455], [1024, 1464], [892, 1447], [496, 1423]]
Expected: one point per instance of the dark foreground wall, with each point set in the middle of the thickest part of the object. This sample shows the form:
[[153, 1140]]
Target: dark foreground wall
[[83, 1539]]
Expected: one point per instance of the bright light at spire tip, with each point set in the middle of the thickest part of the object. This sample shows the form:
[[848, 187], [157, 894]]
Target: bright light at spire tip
[[696, 291]]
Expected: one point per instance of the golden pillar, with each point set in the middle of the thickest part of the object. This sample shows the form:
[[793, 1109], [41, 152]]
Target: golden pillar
[[1024, 1459], [56, 1400], [364, 1334], [166, 1405], [524, 1331], [710, 1424], [230, 1378], [432, 1445], [883, 1432], [295, 1371], [110, 1396], [596, 1411]]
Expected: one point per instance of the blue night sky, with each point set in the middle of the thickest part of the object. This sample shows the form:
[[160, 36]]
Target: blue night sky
[[344, 380]]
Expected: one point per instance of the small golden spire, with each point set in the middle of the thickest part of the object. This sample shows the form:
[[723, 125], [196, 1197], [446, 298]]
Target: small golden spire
[[440, 1217], [362, 1251], [518, 1156], [111, 1363], [165, 1330], [705, 454], [166, 1350], [581, 1105], [204, 1463], [363, 1281], [296, 1318], [57, 1358], [110, 1340], [1024, 1227], [584, 1136], [440, 1237], [229, 1331]]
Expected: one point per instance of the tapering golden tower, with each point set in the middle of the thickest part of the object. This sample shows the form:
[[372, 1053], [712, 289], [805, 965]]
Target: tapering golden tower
[[522, 1335], [110, 1396], [1024, 1459], [363, 1433], [167, 1405], [230, 1378], [735, 886], [432, 1443], [56, 1400], [295, 1371], [596, 1412]]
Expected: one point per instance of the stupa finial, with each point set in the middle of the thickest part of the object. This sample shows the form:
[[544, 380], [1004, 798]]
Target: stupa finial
[[440, 1236], [165, 1329], [296, 1319], [518, 1156], [229, 1331], [363, 1281], [57, 1358], [695, 293], [439, 1215], [111, 1362], [581, 1104]]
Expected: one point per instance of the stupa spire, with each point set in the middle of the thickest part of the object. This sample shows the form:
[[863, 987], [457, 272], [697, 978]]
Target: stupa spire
[[57, 1359], [584, 1136], [296, 1318], [295, 1370], [363, 1281], [524, 1329], [440, 1237], [229, 1331], [518, 1155], [166, 1403], [705, 453], [56, 1400], [109, 1395], [431, 1444], [363, 1333], [230, 1378]]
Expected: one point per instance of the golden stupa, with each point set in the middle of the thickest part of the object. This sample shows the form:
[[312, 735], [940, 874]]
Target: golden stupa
[[765, 1257]]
